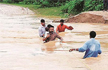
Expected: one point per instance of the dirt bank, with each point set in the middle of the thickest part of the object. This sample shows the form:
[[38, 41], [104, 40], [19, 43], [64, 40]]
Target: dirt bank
[[14, 10], [90, 17]]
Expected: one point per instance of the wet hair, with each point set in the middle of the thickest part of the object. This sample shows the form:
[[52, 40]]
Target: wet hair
[[42, 20], [48, 26], [92, 34], [62, 20], [51, 26]]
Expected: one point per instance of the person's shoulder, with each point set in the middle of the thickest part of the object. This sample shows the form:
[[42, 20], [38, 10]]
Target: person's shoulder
[[97, 41], [40, 27], [65, 25], [45, 26], [88, 41]]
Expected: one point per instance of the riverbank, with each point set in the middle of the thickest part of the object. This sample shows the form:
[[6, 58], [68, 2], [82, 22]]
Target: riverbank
[[51, 12], [90, 17]]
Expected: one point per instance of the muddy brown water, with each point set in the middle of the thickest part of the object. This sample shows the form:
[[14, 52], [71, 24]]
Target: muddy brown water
[[22, 49]]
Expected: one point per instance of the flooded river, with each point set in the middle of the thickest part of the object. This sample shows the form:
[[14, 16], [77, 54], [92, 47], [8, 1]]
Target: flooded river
[[22, 49]]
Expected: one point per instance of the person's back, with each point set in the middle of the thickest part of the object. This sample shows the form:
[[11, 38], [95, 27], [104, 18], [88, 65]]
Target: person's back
[[92, 48]]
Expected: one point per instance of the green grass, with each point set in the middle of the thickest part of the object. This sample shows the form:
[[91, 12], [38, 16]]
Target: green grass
[[53, 12]]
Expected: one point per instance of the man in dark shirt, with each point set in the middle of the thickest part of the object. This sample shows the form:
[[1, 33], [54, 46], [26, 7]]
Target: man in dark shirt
[[51, 36], [105, 4]]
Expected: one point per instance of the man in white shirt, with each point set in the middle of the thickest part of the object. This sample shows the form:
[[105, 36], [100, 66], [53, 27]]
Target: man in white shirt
[[42, 28]]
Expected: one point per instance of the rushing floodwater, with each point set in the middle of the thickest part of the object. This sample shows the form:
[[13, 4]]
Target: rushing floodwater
[[22, 49]]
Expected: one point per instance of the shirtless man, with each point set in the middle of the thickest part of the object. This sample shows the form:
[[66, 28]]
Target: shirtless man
[[51, 36]]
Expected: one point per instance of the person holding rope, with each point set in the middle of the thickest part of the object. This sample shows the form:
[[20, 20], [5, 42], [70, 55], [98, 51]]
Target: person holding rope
[[62, 27], [92, 47]]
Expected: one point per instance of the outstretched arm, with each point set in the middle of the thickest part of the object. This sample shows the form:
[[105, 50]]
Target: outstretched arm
[[59, 37], [66, 27], [73, 50], [69, 27], [82, 49]]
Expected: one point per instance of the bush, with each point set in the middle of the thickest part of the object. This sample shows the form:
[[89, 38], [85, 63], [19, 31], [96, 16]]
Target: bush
[[93, 5], [78, 6], [11, 1], [52, 3], [28, 1], [74, 6], [8, 1], [45, 4]]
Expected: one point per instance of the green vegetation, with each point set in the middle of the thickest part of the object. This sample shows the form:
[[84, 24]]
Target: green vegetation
[[54, 12], [78, 6], [62, 8]]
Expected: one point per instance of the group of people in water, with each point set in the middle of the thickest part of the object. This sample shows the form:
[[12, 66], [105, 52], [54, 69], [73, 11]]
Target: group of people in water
[[91, 48], [49, 29]]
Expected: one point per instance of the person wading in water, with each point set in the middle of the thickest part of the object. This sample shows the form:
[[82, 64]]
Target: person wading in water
[[42, 28], [62, 27], [51, 36], [92, 47]]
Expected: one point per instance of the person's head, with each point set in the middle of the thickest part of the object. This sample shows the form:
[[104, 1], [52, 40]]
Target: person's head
[[51, 29], [61, 21], [46, 29], [92, 34], [42, 22], [48, 26]]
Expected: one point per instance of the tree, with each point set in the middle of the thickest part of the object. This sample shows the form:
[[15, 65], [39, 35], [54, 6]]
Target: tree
[[1, 0]]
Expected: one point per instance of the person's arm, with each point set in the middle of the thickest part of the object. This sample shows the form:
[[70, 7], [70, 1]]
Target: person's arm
[[59, 37], [99, 51], [57, 30], [44, 39], [66, 27], [82, 49], [69, 27], [73, 50]]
